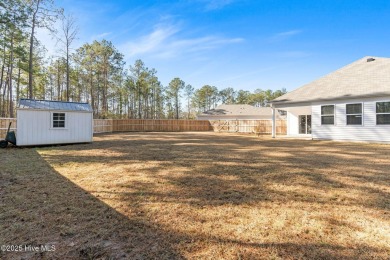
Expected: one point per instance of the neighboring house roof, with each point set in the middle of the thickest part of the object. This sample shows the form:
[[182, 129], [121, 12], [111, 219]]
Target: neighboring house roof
[[367, 77], [238, 110], [53, 105]]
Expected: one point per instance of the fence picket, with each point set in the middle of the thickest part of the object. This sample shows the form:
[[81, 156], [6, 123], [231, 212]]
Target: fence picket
[[171, 125]]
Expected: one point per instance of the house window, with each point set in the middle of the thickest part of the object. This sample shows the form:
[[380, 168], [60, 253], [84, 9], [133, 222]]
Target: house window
[[383, 113], [354, 114], [58, 120], [327, 115]]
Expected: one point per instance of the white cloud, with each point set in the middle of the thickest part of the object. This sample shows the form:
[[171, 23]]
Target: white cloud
[[151, 42], [164, 42], [284, 35], [100, 36]]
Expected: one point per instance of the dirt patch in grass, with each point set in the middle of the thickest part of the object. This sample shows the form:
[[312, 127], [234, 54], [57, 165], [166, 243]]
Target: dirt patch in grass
[[197, 195]]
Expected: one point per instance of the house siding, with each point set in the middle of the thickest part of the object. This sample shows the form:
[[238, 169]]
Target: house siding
[[292, 124], [368, 131], [293, 114], [34, 128]]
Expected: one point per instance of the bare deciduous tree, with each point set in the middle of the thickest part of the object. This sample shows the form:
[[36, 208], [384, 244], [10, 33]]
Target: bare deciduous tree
[[69, 32]]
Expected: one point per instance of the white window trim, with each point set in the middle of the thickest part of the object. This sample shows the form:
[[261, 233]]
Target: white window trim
[[334, 114], [362, 114], [51, 121], [376, 120]]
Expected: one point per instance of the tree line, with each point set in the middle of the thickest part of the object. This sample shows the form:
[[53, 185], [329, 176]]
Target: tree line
[[95, 72]]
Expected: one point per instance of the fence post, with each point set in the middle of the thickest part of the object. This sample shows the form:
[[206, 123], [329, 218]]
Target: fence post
[[273, 123]]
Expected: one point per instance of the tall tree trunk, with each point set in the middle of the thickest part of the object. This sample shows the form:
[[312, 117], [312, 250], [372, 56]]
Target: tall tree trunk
[[30, 62], [18, 85], [11, 102], [51, 87], [98, 95], [3, 113], [6, 107], [79, 88], [139, 102], [58, 82], [1, 80], [145, 103], [2, 74], [104, 92], [177, 105], [188, 106], [67, 71], [5, 96], [120, 104], [129, 110], [92, 98]]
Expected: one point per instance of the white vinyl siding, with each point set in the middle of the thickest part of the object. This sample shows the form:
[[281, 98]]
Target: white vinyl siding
[[35, 128], [368, 131], [292, 124]]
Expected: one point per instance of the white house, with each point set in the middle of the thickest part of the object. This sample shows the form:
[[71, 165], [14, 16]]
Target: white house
[[238, 112], [352, 103], [42, 122]]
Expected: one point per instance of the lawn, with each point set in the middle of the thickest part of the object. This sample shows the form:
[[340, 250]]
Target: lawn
[[197, 196]]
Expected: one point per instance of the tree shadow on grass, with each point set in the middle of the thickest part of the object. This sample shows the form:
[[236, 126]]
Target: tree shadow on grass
[[41, 207]]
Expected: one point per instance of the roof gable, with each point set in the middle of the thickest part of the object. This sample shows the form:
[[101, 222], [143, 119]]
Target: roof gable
[[53, 105], [362, 78], [238, 110]]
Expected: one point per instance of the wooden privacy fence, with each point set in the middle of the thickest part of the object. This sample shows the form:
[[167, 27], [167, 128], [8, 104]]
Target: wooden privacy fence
[[103, 126], [4, 122], [131, 125], [172, 125], [150, 125], [249, 126]]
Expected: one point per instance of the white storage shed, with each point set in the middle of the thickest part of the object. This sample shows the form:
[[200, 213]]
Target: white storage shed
[[43, 122]]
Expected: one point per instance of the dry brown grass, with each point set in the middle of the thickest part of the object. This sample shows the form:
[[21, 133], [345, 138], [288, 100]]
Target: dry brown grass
[[198, 196]]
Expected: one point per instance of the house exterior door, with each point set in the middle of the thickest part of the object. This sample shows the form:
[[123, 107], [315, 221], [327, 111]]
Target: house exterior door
[[305, 124]]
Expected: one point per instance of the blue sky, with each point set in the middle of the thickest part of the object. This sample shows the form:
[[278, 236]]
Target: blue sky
[[267, 44]]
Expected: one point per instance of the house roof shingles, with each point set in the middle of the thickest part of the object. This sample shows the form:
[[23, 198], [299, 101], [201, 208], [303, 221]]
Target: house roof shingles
[[238, 110], [361, 78], [53, 105]]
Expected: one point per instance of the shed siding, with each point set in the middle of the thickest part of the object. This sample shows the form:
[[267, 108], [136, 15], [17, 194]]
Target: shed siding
[[34, 128], [368, 131]]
